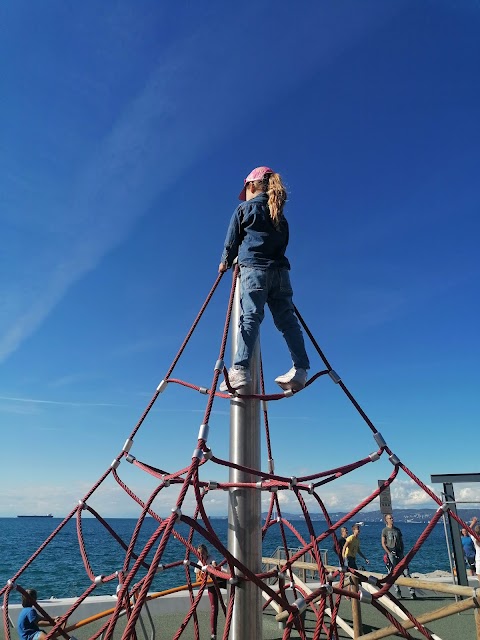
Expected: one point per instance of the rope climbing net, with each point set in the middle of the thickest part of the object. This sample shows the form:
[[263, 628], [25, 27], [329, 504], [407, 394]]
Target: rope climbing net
[[277, 583]]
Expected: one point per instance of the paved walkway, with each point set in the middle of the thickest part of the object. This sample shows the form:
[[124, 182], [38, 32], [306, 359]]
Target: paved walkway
[[456, 627]]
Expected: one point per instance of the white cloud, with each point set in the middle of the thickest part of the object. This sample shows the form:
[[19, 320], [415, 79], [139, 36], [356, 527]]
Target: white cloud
[[341, 496], [470, 495], [40, 401], [407, 494], [112, 501]]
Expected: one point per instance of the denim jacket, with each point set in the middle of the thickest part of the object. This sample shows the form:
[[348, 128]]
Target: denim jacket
[[252, 237]]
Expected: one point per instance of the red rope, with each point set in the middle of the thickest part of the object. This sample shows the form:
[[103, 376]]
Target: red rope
[[133, 591]]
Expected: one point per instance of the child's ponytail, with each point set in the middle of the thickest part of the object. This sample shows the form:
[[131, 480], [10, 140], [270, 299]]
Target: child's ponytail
[[277, 196]]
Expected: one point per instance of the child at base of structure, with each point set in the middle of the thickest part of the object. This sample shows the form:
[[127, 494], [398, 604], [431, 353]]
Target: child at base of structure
[[258, 236], [203, 559], [30, 619]]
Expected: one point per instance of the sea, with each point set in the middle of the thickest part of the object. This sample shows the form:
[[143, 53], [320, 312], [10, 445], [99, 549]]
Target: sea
[[58, 571]]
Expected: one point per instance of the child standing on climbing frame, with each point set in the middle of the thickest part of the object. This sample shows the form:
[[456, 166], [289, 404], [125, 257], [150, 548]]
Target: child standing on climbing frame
[[258, 236]]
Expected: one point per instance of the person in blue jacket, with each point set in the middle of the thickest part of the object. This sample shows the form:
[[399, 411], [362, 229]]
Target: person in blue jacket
[[258, 236], [468, 551]]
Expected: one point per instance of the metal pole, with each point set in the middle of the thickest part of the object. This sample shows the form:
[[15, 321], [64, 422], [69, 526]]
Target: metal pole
[[449, 495], [244, 509]]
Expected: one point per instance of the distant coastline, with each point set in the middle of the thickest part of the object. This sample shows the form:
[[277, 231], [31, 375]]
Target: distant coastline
[[405, 516], [402, 516]]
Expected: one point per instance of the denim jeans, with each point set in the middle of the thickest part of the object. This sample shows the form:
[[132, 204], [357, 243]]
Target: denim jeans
[[392, 561], [270, 286]]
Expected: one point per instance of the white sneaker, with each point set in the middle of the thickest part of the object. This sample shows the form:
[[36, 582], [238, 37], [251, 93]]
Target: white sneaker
[[237, 378], [295, 379]]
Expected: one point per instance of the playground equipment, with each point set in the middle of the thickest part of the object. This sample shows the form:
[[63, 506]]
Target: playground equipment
[[246, 581]]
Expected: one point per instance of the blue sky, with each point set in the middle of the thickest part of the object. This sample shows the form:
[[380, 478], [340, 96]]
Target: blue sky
[[128, 128]]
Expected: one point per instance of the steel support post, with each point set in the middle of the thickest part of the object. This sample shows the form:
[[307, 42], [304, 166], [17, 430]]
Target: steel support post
[[458, 557], [244, 511]]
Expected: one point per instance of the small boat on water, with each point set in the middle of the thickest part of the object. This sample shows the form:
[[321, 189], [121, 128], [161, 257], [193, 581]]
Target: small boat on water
[[45, 515]]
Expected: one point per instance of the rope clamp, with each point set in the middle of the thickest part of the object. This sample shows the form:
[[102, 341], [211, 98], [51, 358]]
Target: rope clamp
[[374, 456], [334, 376], [311, 488], [259, 485], [271, 466], [365, 596], [130, 458], [178, 512], [293, 482], [212, 485], [327, 588], [208, 454], [372, 580], [203, 432], [379, 440], [198, 453], [160, 568], [394, 459], [166, 481], [82, 504], [127, 446], [273, 489], [219, 365], [443, 508], [233, 580], [115, 464], [264, 405], [162, 386], [98, 580], [300, 604], [203, 390], [288, 393]]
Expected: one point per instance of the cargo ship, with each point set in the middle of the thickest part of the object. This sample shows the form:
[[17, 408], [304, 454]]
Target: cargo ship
[[46, 515]]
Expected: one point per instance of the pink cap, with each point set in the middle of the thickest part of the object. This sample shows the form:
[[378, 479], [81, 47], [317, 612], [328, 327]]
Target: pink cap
[[256, 174]]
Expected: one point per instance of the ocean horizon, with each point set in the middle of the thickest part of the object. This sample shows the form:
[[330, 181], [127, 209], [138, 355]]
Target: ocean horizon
[[59, 570]]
